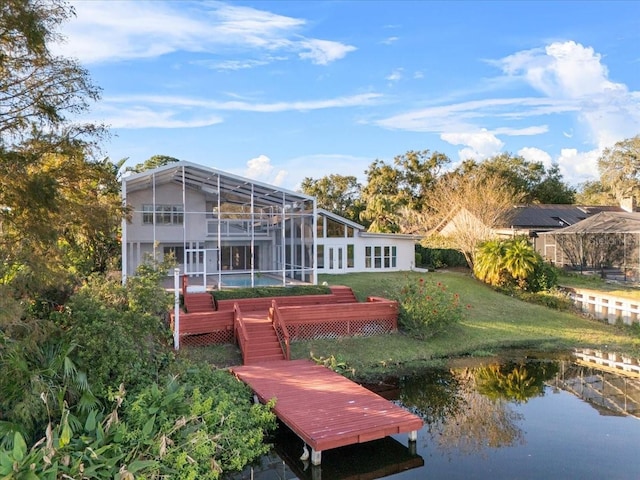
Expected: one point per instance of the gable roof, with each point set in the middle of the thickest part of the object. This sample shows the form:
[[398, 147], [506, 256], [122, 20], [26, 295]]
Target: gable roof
[[605, 222]]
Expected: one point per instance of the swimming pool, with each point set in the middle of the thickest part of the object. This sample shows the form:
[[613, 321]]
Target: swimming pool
[[244, 281]]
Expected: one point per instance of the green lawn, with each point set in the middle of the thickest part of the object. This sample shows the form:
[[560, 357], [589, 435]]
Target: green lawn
[[494, 322]]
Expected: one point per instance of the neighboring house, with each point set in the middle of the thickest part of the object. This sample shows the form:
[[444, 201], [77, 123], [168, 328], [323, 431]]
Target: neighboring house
[[226, 230], [604, 240], [531, 220]]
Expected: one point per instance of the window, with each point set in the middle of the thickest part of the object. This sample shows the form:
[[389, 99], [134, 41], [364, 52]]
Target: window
[[165, 214], [349, 232], [177, 252], [320, 227], [379, 256], [320, 257], [350, 255], [334, 229]]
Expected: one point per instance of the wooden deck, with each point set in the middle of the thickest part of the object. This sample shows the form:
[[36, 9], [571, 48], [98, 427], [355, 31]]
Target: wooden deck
[[323, 408]]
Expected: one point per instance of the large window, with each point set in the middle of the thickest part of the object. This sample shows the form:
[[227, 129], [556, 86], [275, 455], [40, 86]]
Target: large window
[[238, 257], [165, 214], [335, 229], [380, 256]]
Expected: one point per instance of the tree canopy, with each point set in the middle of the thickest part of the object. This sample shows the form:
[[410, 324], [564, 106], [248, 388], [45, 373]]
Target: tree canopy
[[337, 193], [619, 168], [531, 180], [59, 207]]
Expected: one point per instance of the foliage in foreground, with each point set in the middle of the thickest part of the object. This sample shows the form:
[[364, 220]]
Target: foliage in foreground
[[60, 375], [187, 428], [427, 308]]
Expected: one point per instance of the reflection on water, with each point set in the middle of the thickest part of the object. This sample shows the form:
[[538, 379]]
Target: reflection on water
[[573, 418]]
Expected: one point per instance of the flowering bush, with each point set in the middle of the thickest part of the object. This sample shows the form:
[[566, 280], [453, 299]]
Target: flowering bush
[[428, 308]]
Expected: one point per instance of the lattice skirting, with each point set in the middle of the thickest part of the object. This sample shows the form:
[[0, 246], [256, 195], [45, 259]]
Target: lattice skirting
[[204, 339], [363, 328]]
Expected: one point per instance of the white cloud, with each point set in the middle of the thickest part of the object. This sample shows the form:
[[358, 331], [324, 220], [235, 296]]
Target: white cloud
[[562, 69], [578, 166], [396, 75], [166, 111], [533, 154], [478, 145], [135, 117], [323, 52], [390, 40], [573, 73], [107, 31], [261, 169]]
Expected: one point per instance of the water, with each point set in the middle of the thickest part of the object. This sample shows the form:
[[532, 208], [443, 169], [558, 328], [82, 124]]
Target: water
[[244, 281], [508, 420]]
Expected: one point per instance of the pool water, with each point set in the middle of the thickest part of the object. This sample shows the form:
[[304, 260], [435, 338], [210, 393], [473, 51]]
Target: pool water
[[244, 281]]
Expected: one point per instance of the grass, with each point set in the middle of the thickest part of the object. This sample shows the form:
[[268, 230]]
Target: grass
[[494, 322]]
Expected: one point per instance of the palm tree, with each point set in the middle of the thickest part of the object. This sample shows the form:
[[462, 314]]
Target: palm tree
[[520, 259], [489, 262]]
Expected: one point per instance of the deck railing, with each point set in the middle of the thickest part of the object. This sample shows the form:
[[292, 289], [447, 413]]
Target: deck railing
[[281, 329], [240, 328]]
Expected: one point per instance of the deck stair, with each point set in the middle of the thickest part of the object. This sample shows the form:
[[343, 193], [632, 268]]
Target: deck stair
[[198, 302], [343, 294], [263, 344]]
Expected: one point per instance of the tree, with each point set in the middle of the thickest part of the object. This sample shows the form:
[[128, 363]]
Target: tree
[[552, 189], [406, 183], [56, 202], [465, 209], [37, 89], [594, 193], [531, 180], [619, 168], [339, 194], [152, 162]]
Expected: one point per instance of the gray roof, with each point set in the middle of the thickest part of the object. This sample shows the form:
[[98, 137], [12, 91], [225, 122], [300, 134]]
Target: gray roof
[[549, 216], [605, 222]]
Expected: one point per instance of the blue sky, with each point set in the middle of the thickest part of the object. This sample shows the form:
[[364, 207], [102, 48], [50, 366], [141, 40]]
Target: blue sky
[[280, 90]]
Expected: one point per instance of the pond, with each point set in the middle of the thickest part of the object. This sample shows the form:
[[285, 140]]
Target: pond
[[517, 418]]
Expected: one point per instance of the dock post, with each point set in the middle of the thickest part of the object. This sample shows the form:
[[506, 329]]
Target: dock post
[[413, 435], [316, 457]]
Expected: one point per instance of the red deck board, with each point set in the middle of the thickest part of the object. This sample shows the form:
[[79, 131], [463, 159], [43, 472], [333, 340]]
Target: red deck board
[[322, 407]]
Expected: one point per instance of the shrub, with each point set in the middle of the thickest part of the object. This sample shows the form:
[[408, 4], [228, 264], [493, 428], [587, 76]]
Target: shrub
[[513, 265], [427, 308]]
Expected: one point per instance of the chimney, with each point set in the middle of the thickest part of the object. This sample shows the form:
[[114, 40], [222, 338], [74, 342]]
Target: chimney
[[628, 204]]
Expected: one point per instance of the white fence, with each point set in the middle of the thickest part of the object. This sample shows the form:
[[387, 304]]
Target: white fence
[[606, 307]]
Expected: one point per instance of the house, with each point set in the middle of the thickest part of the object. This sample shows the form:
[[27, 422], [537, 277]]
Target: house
[[529, 220], [606, 240], [533, 220], [226, 230]]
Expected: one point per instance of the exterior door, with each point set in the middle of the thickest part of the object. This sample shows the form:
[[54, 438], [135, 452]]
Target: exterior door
[[336, 258]]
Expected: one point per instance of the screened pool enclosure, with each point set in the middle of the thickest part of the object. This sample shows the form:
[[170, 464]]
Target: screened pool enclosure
[[222, 229]]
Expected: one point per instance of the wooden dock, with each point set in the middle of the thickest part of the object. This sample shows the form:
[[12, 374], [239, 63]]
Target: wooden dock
[[325, 409]]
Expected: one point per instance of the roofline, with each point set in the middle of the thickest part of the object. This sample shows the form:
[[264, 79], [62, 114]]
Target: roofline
[[215, 171], [340, 218], [403, 236]]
